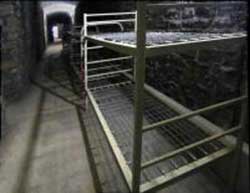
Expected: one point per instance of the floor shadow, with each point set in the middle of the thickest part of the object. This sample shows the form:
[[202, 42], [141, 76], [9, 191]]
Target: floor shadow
[[59, 95], [23, 174]]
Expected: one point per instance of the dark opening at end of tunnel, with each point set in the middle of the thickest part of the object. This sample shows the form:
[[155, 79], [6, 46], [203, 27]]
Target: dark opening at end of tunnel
[[61, 22]]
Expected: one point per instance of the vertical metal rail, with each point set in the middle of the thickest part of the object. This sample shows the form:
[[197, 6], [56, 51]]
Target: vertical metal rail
[[234, 174], [135, 26], [139, 92], [85, 24]]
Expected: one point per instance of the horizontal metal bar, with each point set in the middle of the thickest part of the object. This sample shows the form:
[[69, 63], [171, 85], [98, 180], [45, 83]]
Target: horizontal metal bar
[[111, 141], [110, 14], [110, 85], [94, 47], [108, 22], [110, 60], [193, 113], [171, 177], [188, 147], [109, 73], [103, 67], [187, 4], [103, 77], [155, 50], [118, 47], [204, 124]]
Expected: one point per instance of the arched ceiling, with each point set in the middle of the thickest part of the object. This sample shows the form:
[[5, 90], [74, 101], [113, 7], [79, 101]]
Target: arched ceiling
[[59, 17], [52, 7]]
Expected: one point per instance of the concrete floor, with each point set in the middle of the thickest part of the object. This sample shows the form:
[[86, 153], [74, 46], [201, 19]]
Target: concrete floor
[[44, 150]]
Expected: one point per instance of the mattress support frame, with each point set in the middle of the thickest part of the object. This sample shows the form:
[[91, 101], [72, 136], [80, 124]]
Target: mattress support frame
[[140, 52]]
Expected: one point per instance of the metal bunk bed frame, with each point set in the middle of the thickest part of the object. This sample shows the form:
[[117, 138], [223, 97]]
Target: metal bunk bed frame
[[140, 52]]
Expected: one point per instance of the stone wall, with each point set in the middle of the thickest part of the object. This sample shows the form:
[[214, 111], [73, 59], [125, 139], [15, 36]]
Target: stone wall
[[221, 18], [21, 43], [202, 77]]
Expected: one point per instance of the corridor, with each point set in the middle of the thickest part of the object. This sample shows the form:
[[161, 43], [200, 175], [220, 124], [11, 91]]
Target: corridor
[[44, 151]]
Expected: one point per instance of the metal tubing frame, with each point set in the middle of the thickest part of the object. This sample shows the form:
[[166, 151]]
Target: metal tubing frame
[[193, 4], [181, 172], [95, 47], [140, 51], [234, 175], [84, 33], [177, 174], [104, 67], [111, 141], [154, 50], [110, 60], [140, 66], [111, 14], [196, 112], [85, 51], [116, 46], [188, 147], [103, 77], [110, 85], [109, 22], [109, 73]]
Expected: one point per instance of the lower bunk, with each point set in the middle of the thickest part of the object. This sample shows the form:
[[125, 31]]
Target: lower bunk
[[115, 104]]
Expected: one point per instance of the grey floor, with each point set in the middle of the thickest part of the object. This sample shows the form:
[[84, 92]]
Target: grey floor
[[43, 151]]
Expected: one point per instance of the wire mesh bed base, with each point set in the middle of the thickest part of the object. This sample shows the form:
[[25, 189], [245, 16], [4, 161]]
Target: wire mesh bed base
[[114, 108], [158, 38], [158, 43], [109, 179]]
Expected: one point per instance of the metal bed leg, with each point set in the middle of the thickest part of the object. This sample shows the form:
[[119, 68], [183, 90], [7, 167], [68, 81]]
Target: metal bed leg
[[139, 91], [85, 32], [234, 174]]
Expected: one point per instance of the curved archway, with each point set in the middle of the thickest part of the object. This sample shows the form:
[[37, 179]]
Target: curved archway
[[57, 9]]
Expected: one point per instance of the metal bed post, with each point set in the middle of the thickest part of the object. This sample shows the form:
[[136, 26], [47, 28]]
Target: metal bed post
[[135, 26], [85, 51], [139, 92], [234, 174]]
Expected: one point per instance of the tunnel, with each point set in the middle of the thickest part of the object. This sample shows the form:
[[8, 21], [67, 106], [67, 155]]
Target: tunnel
[[142, 96], [61, 20]]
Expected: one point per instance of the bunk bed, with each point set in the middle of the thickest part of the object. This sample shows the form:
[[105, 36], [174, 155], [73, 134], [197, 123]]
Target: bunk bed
[[154, 139]]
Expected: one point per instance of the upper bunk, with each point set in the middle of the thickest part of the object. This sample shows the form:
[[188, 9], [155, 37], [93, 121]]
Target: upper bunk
[[158, 42]]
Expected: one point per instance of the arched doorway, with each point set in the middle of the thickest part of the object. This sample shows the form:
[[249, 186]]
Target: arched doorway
[[57, 24]]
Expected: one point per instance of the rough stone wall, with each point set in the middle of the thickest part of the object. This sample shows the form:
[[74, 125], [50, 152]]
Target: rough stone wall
[[198, 81], [22, 46], [221, 18], [20, 42], [203, 77], [100, 7]]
